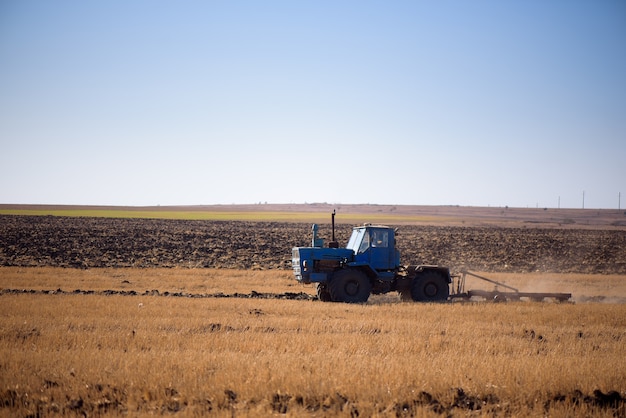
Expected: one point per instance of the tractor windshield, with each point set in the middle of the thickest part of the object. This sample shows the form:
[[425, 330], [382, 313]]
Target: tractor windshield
[[359, 241]]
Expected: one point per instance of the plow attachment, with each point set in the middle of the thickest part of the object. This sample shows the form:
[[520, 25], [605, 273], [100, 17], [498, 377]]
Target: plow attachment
[[496, 295]]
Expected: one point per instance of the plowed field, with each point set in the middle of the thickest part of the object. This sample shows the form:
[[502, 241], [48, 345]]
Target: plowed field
[[103, 242]]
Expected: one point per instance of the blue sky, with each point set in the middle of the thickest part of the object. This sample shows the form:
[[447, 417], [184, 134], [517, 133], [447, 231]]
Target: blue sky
[[477, 103]]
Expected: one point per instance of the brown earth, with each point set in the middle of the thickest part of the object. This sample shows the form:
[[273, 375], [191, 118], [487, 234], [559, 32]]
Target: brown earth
[[109, 242]]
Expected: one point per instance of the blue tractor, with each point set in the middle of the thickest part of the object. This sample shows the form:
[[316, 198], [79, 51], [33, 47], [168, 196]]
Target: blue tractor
[[368, 264]]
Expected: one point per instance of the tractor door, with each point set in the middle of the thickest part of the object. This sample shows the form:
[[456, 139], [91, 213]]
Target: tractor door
[[382, 249]]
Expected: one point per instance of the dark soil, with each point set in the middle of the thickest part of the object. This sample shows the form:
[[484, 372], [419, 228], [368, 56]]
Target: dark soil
[[104, 242]]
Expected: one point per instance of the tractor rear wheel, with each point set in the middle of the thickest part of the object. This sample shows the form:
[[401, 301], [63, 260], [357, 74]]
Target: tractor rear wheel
[[351, 286], [430, 286]]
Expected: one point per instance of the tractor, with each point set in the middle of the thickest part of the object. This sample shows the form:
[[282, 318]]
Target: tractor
[[368, 264]]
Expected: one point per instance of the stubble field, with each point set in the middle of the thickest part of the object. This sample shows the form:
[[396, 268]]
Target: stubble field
[[144, 317]]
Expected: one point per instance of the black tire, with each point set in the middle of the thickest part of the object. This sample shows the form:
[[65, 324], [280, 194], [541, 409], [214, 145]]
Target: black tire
[[322, 292], [351, 286], [430, 286]]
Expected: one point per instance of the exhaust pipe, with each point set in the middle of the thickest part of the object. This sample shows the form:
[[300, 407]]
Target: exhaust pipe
[[333, 243]]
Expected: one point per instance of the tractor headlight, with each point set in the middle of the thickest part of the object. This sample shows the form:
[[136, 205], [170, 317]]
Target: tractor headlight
[[305, 265]]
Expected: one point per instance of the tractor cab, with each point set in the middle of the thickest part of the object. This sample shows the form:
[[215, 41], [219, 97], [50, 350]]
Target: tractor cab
[[374, 246]]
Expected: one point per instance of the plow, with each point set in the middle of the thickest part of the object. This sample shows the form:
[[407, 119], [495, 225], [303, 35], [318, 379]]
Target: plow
[[497, 295]]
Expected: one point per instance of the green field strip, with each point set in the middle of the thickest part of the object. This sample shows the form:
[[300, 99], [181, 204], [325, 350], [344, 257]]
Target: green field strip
[[260, 216]]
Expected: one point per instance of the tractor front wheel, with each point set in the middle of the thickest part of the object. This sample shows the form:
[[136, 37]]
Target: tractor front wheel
[[430, 286], [322, 292], [351, 286]]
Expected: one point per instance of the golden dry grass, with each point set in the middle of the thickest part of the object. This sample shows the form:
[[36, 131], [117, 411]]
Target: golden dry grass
[[144, 355], [161, 279]]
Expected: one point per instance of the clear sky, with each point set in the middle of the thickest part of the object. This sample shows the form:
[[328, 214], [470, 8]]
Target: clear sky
[[477, 103]]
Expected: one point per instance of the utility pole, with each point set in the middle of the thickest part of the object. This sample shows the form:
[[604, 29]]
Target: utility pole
[[583, 199], [619, 201]]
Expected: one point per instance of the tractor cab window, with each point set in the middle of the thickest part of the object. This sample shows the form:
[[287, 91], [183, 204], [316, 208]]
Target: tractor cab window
[[365, 243], [359, 241], [380, 239]]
